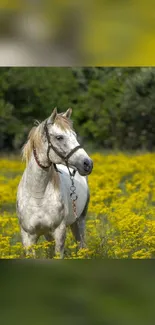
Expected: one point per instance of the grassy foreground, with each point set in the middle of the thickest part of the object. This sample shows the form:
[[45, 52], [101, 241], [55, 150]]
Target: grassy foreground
[[121, 218]]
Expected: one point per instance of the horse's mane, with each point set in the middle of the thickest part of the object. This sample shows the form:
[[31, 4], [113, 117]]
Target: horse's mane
[[34, 138]]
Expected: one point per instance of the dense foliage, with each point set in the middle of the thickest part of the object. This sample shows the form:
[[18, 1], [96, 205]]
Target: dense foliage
[[112, 107]]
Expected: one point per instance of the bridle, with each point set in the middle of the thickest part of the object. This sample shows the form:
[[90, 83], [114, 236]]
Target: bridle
[[65, 158], [50, 145]]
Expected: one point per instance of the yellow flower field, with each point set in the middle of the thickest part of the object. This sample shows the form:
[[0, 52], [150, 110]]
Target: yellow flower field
[[121, 218]]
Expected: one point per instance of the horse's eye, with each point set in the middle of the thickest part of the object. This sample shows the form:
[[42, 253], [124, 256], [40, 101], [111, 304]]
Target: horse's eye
[[59, 137]]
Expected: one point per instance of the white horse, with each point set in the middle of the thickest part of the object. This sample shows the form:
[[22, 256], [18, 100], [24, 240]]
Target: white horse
[[46, 202]]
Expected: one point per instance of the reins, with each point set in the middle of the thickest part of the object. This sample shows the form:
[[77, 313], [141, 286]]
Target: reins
[[73, 194]]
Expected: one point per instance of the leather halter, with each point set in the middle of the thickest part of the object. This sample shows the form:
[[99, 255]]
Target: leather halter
[[50, 145]]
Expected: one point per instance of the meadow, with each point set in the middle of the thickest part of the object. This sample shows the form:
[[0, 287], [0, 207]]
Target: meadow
[[121, 217]]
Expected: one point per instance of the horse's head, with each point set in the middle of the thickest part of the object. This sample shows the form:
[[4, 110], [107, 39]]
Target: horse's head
[[63, 146]]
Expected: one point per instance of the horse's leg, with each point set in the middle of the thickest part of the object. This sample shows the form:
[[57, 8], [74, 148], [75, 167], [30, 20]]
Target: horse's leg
[[28, 240], [60, 236], [78, 227], [78, 230]]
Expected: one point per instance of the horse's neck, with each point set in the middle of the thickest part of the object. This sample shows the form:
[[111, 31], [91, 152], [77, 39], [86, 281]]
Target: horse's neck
[[37, 179]]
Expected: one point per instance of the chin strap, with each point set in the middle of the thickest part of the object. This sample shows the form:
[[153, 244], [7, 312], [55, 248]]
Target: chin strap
[[38, 162], [42, 166], [56, 169]]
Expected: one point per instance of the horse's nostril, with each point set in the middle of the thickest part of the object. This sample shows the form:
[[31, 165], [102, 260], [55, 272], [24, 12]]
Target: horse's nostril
[[86, 162]]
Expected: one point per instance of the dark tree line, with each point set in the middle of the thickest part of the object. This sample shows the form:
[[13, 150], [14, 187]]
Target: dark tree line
[[112, 107]]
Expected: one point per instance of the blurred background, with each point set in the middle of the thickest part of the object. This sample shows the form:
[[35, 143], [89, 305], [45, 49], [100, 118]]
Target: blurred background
[[77, 292], [65, 33], [113, 108]]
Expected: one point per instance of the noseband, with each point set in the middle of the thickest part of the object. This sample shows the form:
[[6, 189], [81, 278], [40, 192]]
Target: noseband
[[50, 145]]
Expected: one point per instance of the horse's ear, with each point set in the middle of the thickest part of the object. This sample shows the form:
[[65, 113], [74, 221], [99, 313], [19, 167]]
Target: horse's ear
[[53, 116], [68, 113]]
